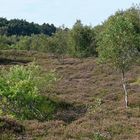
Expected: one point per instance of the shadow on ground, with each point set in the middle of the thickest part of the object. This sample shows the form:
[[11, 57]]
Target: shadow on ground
[[5, 61], [69, 112]]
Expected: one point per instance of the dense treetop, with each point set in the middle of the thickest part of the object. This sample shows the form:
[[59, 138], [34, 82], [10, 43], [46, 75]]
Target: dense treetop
[[22, 27]]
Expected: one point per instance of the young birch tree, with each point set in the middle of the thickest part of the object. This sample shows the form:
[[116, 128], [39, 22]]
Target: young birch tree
[[117, 45]]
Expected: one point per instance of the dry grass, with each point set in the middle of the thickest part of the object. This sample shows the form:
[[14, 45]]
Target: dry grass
[[92, 100]]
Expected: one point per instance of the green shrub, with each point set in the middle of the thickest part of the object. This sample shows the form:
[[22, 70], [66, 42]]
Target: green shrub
[[82, 41], [20, 92], [98, 136]]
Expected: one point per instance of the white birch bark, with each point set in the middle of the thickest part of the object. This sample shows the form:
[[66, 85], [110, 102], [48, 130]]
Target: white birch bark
[[125, 90]]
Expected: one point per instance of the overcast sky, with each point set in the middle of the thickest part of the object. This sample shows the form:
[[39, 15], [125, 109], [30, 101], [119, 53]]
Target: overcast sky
[[60, 12]]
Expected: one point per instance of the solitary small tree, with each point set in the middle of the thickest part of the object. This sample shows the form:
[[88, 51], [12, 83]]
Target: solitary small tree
[[117, 45], [82, 40]]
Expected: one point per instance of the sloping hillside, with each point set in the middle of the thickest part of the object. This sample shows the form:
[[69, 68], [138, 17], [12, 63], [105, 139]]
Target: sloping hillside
[[92, 100]]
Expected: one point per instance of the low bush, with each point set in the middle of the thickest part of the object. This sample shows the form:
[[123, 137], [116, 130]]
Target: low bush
[[20, 92]]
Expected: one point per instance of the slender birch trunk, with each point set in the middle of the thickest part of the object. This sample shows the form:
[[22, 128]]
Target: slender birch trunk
[[125, 90]]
